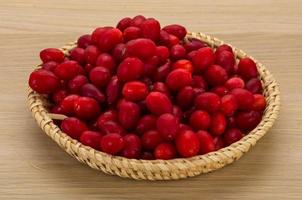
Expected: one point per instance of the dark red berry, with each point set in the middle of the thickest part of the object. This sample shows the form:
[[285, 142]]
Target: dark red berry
[[232, 135], [187, 144], [78, 54], [73, 127], [43, 81], [75, 85], [112, 143], [215, 75], [50, 66], [200, 120], [218, 124], [248, 120], [245, 99], [146, 123], [128, 114], [185, 97], [106, 60], [84, 41], [158, 103], [59, 95], [52, 54], [178, 79], [206, 142], [132, 147], [167, 124], [89, 90], [132, 33], [91, 54], [137, 20], [91, 138], [150, 29], [151, 139], [165, 151], [68, 70], [226, 59], [259, 103], [86, 108], [233, 83], [124, 23], [208, 101], [177, 30], [135, 91], [68, 104], [99, 76], [228, 105], [130, 69], [141, 48], [203, 58], [247, 68], [254, 86], [177, 52]]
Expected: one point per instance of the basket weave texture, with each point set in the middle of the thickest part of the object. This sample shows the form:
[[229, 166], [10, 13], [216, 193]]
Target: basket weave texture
[[162, 169]]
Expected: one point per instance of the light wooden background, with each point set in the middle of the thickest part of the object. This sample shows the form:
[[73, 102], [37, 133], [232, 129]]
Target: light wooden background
[[32, 166]]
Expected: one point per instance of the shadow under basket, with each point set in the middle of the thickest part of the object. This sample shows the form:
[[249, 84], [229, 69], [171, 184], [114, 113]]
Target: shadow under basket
[[163, 169]]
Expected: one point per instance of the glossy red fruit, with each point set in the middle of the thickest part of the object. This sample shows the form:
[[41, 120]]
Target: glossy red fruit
[[113, 90], [86, 108], [219, 142], [52, 54], [162, 53], [132, 33], [59, 95], [220, 90], [119, 52], [146, 123], [223, 47], [177, 30], [199, 82], [88, 67], [177, 112], [167, 124], [109, 127], [50, 66], [215, 75], [185, 97], [43, 81], [183, 64], [151, 139], [150, 66], [132, 147], [248, 120], [109, 39], [68, 104], [194, 44], [135, 91], [245, 99], [247, 68], [128, 114], [112, 143], [91, 138], [177, 52], [158, 103], [78, 54], [84, 41], [130, 69], [73, 127], [208, 101], [254, 86], [233, 83], [68, 70], [167, 39], [110, 115], [150, 29], [75, 85], [137, 20], [187, 144], [231, 123], [218, 124], [259, 103], [232, 135], [124, 23], [206, 142], [91, 54], [106, 60], [191, 55], [226, 59], [99, 76], [200, 120], [165, 151], [178, 79], [89, 90], [160, 87], [141, 48], [147, 156], [183, 127], [56, 110], [162, 72], [203, 58], [228, 105], [98, 33]]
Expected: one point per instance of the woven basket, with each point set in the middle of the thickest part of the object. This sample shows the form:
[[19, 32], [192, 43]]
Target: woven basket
[[162, 169]]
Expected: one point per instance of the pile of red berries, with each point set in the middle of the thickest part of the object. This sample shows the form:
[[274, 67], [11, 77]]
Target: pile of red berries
[[142, 91]]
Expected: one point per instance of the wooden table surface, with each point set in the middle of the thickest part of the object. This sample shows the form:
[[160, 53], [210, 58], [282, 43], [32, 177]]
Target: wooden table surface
[[32, 166]]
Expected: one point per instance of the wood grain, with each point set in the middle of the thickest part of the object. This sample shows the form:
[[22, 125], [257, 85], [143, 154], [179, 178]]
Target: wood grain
[[32, 166]]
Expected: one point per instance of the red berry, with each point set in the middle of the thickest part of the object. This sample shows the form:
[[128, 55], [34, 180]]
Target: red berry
[[219, 143], [130, 69], [113, 90], [59, 95], [88, 67], [228, 105], [200, 120], [231, 122], [208, 101], [73, 127], [220, 90], [99, 76], [150, 29], [203, 58], [162, 72], [132, 147], [84, 41], [194, 44], [78, 54], [109, 39], [124, 23], [177, 30], [150, 66], [151, 139], [132, 33], [160, 87], [191, 55], [167, 124], [91, 54], [184, 127], [135, 91], [218, 124], [259, 103], [185, 97], [56, 110], [146, 123], [76, 83], [43, 81], [177, 52], [245, 99], [52, 54], [68, 70], [234, 82], [226, 59], [178, 79], [158, 103], [137, 20], [106, 60], [111, 127], [206, 142], [98, 33], [187, 144], [91, 138], [141, 48], [223, 47], [128, 114], [162, 53], [112, 143], [146, 156], [50, 66], [215, 75], [254, 86], [165, 151], [199, 82], [247, 68], [89, 90], [232, 135], [110, 115], [177, 112], [119, 52], [68, 104], [183, 64], [248, 120], [86, 108]]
